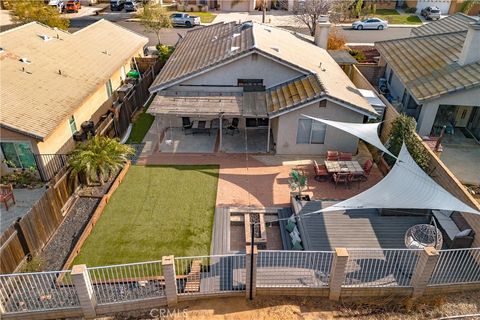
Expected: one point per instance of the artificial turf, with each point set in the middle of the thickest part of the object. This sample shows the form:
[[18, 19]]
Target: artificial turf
[[156, 211]]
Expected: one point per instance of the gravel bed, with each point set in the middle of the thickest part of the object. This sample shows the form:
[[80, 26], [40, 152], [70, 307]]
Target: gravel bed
[[127, 291], [138, 151], [56, 252]]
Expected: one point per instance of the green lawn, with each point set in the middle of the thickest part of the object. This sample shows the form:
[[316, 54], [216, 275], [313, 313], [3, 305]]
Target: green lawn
[[140, 127], [394, 17], [156, 211]]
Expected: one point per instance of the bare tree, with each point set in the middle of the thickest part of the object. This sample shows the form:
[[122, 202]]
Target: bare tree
[[341, 10], [307, 12]]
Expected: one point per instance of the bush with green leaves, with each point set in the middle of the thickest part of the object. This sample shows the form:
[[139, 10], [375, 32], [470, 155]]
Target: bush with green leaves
[[164, 52], [98, 158], [403, 130], [297, 182], [411, 10], [22, 178], [358, 55]]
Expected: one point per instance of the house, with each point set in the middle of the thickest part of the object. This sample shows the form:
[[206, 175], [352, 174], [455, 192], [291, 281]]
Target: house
[[53, 81], [267, 78], [434, 75]]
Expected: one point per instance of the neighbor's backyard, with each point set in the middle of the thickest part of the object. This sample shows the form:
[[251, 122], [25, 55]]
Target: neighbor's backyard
[[156, 211]]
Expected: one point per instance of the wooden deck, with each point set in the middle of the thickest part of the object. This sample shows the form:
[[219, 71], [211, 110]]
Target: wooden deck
[[353, 228], [221, 231]]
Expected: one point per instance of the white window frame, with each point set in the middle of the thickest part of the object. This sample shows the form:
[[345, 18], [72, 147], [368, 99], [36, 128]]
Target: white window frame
[[312, 123]]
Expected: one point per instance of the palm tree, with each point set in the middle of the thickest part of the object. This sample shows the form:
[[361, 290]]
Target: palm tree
[[98, 157]]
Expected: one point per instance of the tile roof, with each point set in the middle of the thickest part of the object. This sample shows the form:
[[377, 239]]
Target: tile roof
[[427, 65], [206, 48], [36, 101], [454, 23]]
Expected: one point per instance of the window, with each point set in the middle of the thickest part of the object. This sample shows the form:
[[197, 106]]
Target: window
[[249, 82], [390, 77], [108, 86], [72, 124], [256, 122], [310, 132], [18, 154]]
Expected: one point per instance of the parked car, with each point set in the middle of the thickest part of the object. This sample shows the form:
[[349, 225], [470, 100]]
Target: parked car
[[73, 6], [184, 19], [370, 23], [431, 13], [117, 5], [131, 6], [58, 4]]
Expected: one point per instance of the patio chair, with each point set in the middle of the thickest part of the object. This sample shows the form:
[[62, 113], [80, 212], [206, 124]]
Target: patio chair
[[341, 178], [345, 156], [233, 127], [332, 155], [186, 124], [321, 173], [6, 194], [367, 167], [357, 177]]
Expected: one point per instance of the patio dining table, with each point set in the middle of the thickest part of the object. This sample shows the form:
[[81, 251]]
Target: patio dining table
[[343, 166], [201, 126]]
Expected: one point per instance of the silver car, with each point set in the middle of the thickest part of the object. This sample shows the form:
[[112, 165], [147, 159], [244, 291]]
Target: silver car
[[370, 23]]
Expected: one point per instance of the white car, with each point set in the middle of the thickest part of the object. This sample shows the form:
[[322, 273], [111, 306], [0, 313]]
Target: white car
[[370, 23], [58, 4]]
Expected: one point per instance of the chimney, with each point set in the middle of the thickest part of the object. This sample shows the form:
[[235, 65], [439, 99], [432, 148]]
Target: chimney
[[471, 46], [321, 32]]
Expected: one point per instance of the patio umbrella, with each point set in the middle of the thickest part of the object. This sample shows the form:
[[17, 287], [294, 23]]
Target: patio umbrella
[[365, 131], [406, 186]]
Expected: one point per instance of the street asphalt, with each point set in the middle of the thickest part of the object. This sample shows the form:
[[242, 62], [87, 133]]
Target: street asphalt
[[170, 36]]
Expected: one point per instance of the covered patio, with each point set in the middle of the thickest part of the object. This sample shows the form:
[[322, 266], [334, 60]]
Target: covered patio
[[210, 122]]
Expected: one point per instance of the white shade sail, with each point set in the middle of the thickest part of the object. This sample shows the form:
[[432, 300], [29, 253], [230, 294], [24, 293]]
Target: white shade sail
[[365, 131], [406, 186]]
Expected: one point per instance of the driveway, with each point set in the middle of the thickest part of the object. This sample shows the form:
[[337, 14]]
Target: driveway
[[25, 199], [462, 157]]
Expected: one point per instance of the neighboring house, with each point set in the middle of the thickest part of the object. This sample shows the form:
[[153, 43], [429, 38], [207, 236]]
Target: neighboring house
[[265, 76], [52, 81], [443, 5], [434, 76]]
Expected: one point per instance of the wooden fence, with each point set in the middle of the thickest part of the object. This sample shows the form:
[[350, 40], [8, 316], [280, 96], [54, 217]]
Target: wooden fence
[[30, 233]]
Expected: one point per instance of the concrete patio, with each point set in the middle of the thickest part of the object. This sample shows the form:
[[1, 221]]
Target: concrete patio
[[462, 157], [25, 199], [176, 141], [254, 139]]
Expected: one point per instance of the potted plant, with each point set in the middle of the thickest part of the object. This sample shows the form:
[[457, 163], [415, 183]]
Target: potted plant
[[298, 182]]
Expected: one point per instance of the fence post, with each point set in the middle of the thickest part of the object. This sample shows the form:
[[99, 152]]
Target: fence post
[[423, 270], [168, 267], [83, 286], [337, 273], [251, 272]]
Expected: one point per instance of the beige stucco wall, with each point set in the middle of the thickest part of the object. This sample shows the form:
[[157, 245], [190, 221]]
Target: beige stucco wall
[[270, 71], [243, 5], [335, 139]]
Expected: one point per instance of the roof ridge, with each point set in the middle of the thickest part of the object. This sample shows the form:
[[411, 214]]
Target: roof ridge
[[33, 23]]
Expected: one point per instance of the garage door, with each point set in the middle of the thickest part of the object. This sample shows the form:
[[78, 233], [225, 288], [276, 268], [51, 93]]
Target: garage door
[[444, 5]]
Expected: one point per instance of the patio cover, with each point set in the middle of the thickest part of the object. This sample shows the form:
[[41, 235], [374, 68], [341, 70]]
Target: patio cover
[[406, 186], [204, 104], [365, 131]]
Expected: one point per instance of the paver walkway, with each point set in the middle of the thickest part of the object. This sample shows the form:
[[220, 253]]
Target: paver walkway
[[261, 181]]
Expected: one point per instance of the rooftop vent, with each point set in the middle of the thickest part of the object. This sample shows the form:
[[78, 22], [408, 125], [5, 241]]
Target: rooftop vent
[[45, 37], [267, 29], [25, 60], [234, 49], [277, 49], [215, 38], [236, 35], [106, 52], [1, 50]]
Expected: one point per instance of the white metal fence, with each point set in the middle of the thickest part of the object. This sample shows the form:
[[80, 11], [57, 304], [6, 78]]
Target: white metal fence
[[457, 266], [380, 267], [127, 282], [24, 292], [210, 274], [293, 268]]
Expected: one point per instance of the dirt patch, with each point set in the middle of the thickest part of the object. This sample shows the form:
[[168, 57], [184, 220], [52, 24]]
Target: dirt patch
[[283, 308], [98, 190]]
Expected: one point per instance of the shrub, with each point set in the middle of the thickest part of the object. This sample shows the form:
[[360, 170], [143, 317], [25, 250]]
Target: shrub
[[164, 52], [403, 130], [336, 41], [411, 10], [358, 55], [22, 178]]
